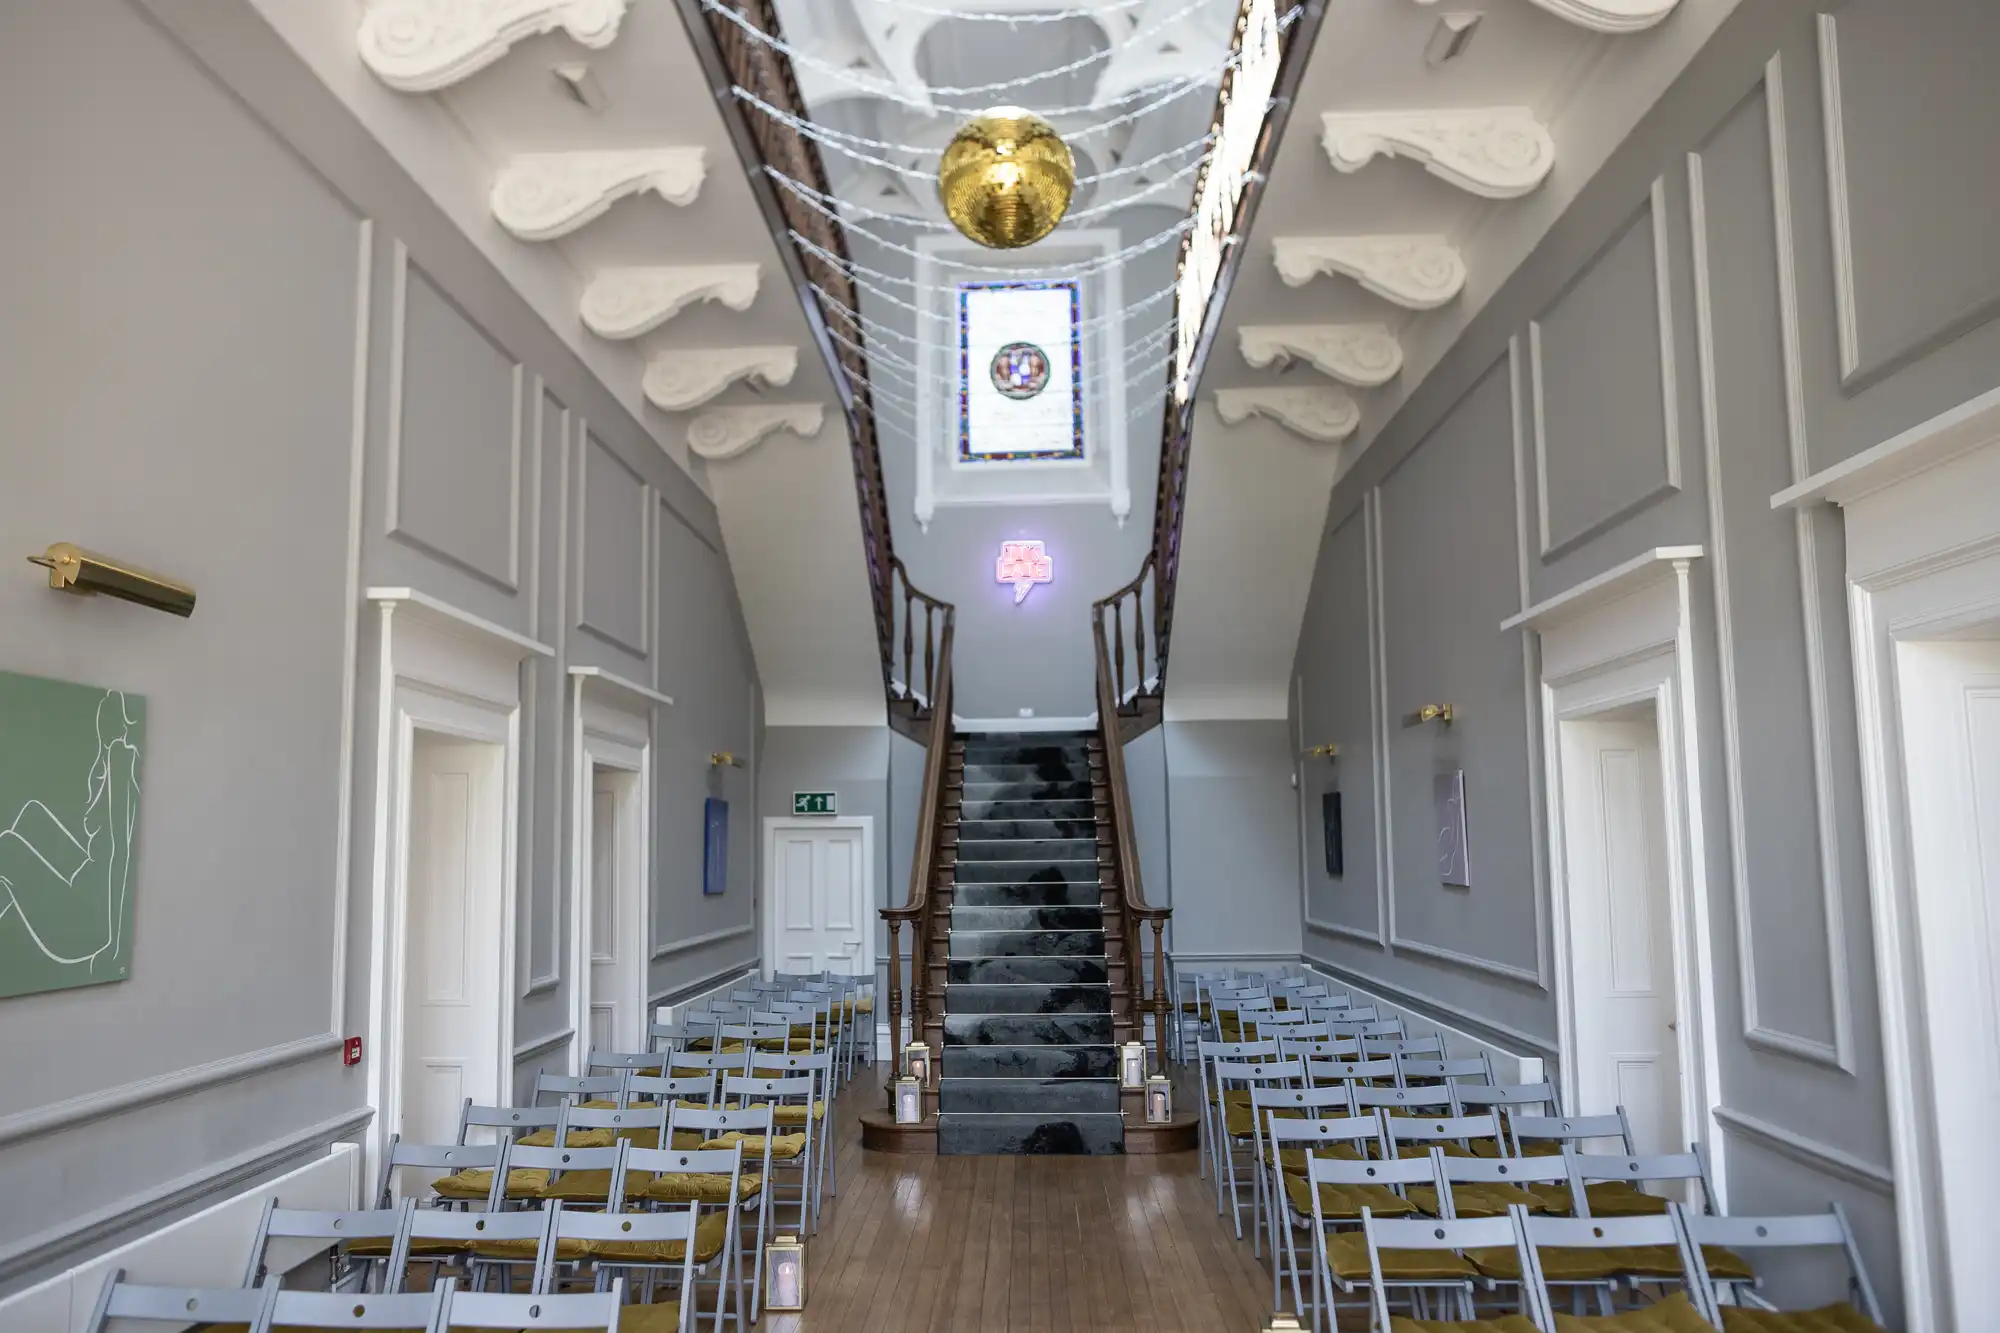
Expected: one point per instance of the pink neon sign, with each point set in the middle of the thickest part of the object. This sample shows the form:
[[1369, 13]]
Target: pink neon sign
[[1023, 564]]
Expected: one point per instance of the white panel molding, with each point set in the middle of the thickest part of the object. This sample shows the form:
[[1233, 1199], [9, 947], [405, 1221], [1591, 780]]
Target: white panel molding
[[1621, 580], [1526, 976], [725, 432], [629, 693], [694, 942], [682, 378], [1838, 201], [1494, 152], [629, 302], [1837, 1053], [350, 640], [1363, 355], [1670, 412], [1531, 695], [541, 196], [420, 46], [1345, 931], [642, 649], [530, 717], [528, 1050], [1395, 995], [1416, 272], [1378, 719], [1325, 413], [1616, 17], [1822, 1157], [573, 428]]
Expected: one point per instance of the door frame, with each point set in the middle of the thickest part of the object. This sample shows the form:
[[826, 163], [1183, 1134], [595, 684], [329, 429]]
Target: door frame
[[604, 735], [1923, 562], [1626, 638], [767, 899], [446, 671]]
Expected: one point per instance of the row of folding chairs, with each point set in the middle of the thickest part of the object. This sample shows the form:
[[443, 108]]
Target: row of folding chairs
[[824, 1012], [1438, 1266], [442, 1309]]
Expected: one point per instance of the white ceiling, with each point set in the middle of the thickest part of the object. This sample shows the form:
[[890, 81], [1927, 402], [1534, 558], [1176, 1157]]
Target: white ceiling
[[1587, 87]]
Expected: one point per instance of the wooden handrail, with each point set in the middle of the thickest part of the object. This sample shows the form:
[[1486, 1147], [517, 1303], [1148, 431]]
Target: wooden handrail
[[916, 912], [1138, 911]]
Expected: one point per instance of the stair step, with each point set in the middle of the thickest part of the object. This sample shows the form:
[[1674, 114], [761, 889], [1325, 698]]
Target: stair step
[[1040, 1095], [1100, 1134], [1027, 918], [978, 830], [1056, 893], [1014, 971], [1026, 849], [1007, 752], [1035, 790], [1026, 872], [979, 807], [1035, 1062], [1027, 944], [1052, 770], [1027, 1029], [1030, 997]]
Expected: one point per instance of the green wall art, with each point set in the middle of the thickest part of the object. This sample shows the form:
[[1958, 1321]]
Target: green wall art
[[69, 819]]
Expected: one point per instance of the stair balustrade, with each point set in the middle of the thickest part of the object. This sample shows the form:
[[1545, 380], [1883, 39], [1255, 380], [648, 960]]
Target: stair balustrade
[[1137, 913], [916, 912]]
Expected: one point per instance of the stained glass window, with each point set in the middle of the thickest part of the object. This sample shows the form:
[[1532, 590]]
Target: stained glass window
[[1020, 372]]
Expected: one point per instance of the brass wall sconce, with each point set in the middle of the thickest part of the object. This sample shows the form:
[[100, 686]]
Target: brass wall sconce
[[1429, 713], [726, 757], [1328, 751], [85, 574]]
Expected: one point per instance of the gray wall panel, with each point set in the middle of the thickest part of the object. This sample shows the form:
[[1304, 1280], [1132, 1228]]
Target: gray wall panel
[[613, 505], [1146, 781], [1233, 838], [1336, 696]]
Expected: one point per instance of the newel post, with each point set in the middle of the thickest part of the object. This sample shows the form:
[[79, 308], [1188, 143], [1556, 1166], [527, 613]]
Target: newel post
[[895, 988], [1160, 990]]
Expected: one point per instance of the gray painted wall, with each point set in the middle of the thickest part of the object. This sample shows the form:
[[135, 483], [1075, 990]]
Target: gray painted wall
[[180, 389], [1639, 439], [1233, 839]]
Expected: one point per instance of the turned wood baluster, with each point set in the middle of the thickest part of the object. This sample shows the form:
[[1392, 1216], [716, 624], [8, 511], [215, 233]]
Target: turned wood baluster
[[909, 642], [1139, 632], [1160, 991], [895, 990], [930, 657], [1118, 650]]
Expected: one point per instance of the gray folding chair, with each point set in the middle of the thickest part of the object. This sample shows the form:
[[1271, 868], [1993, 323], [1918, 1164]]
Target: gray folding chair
[[822, 1066], [575, 1090], [182, 1306], [1811, 1231], [585, 1312], [1586, 1255], [1326, 1158], [459, 1174], [297, 1311], [357, 1243], [1427, 1257], [800, 1091], [704, 1179], [476, 1243], [634, 1062], [634, 1246]]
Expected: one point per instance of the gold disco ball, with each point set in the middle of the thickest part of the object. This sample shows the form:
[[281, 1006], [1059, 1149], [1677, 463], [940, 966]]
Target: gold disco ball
[[1006, 178]]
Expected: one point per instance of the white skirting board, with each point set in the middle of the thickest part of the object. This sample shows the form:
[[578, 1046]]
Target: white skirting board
[[671, 1013], [1508, 1066], [204, 1249]]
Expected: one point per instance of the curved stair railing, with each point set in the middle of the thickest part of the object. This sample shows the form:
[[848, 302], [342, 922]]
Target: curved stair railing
[[1137, 913], [916, 911]]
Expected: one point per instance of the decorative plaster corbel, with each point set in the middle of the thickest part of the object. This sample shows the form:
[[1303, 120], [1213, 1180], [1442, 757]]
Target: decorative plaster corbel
[[1363, 355], [1494, 152], [629, 302], [1613, 16], [540, 196], [679, 379], [1417, 272], [419, 46], [1326, 414], [725, 432]]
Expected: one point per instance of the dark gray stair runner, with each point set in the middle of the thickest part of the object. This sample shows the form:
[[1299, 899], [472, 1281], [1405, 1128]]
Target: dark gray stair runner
[[1029, 1064]]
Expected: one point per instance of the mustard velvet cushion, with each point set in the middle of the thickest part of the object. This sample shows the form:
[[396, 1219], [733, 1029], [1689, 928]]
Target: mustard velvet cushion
[[659, 1317], [1488, 1148], [1675, 1314], [783, 1146], [1239, 1122], [1347, 1256], [1294, 1160], [523, 1182], [785, 1113], [1506, 1323], [1476, 1199], [524, 1251], [699, 1187], [593, 1186], [1450, 1146], [578, 1138], [1665, 1261], [1842, 1318], [1346, 1201], [1608, 1198], [1559, 1263], [709, 1235]]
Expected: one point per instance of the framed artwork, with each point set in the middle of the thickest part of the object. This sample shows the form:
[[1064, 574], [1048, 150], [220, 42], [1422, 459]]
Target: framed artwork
[[1336, 851], [1453, 856], [714, 847]]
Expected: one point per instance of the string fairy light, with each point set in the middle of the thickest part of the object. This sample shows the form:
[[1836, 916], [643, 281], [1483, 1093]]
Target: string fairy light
[[1036, 16]]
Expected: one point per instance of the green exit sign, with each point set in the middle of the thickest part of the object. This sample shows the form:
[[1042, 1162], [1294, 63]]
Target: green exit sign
[[814, 803]]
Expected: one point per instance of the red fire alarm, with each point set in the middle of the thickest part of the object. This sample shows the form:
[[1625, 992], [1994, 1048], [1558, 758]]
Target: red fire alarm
[[350, 1052]]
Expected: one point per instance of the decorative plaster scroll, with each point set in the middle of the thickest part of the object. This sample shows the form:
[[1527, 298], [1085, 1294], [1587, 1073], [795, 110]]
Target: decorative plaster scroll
[[1363, 355], [680, 379], [419, 46], [1417, 272], [1612, 16], [629, 302], [540, 196], [725, 432], [1494, 152], [1327, 414]]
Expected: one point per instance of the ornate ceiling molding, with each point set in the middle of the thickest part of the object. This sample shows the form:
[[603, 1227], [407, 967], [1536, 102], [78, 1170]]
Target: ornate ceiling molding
[[1363, 355], [540, 196], [1323, 413], [1612, 16], [1416, 272], [1494, 152], [725, 432], [630, 302], [681, 378], [420, 46]]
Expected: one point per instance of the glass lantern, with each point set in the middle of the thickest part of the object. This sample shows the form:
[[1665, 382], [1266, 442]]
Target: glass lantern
[[1159, 1100], [785, 1263], [1282, 1323], [1132, 1066], [909, 1101], [917, 1062]]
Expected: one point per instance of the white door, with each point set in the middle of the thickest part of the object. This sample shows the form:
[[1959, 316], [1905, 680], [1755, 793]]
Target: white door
[[1951, 705], [451, 956], [821, 902], [1621, 931]]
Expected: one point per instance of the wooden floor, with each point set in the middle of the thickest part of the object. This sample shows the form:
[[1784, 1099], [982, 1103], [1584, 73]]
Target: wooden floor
[[1035, 1244]]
